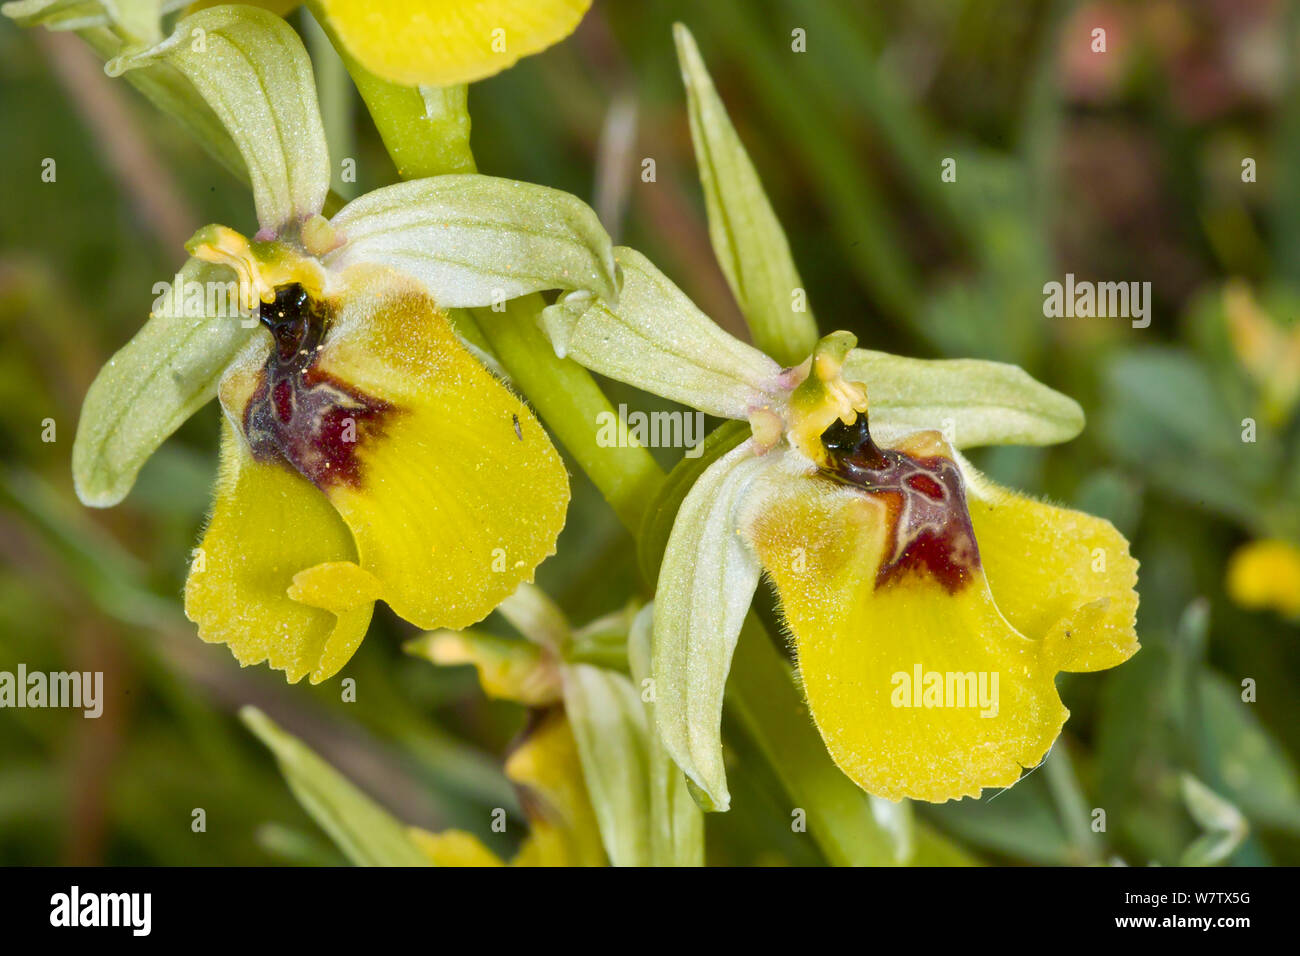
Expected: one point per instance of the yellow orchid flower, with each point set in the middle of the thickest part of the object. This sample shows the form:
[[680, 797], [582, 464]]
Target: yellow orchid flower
[[930, 609], [440, 42], [1265, 575], [366, 453]]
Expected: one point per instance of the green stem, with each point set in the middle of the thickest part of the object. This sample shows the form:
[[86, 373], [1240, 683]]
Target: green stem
[[424, 129], [760, 690]]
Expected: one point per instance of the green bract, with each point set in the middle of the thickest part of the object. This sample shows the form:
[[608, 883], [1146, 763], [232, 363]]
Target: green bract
[[747, 237], [677, 826], [609, 725]]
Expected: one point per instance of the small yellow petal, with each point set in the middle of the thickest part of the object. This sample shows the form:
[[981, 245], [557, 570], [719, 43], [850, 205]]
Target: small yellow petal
[[445, 42], [1266, 575], [268, 524], [336, 586], [508, 669], [563, 829], [454, 848]]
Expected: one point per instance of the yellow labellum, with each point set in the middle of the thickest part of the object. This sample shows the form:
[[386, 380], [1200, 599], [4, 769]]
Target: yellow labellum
[[462, 494], [367, 456], [268, 524], [922, 680]]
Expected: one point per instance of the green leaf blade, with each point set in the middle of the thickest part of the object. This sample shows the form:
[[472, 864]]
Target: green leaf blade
[[747, 237]]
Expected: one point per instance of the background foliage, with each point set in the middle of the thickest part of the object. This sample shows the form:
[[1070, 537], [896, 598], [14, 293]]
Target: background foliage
[[1117, 166]]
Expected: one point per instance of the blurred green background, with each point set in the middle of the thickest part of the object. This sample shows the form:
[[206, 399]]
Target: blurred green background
[[1123, 166]]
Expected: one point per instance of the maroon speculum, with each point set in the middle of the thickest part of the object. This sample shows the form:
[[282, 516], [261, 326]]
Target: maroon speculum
[[299, 413], [931, 528]]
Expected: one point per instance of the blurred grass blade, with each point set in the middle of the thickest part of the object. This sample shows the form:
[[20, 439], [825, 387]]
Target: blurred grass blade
[[676, 821], [365, 832], [610, 728], [747, 237]]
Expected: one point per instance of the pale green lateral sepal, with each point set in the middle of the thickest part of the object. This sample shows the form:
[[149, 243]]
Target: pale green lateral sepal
[[252, 69], [676, 823], [972, 402], [478, 240], [747, 237], [656, 339], [609, 727], [706, 583], [155, 382], [366, 833]]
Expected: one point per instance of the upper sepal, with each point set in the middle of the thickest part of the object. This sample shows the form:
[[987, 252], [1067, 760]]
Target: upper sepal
[[747, 238], [251, 68]]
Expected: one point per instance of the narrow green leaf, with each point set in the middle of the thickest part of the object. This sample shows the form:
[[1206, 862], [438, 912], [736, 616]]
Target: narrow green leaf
[[747, 237], [478, 240], [973, 402], [610, 729], [676, 823], [656, 339], [252, 69], [366, 833], [168, 371]]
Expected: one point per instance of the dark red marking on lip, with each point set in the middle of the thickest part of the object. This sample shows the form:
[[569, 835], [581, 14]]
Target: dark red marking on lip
[[930, 526], [299, 413]]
